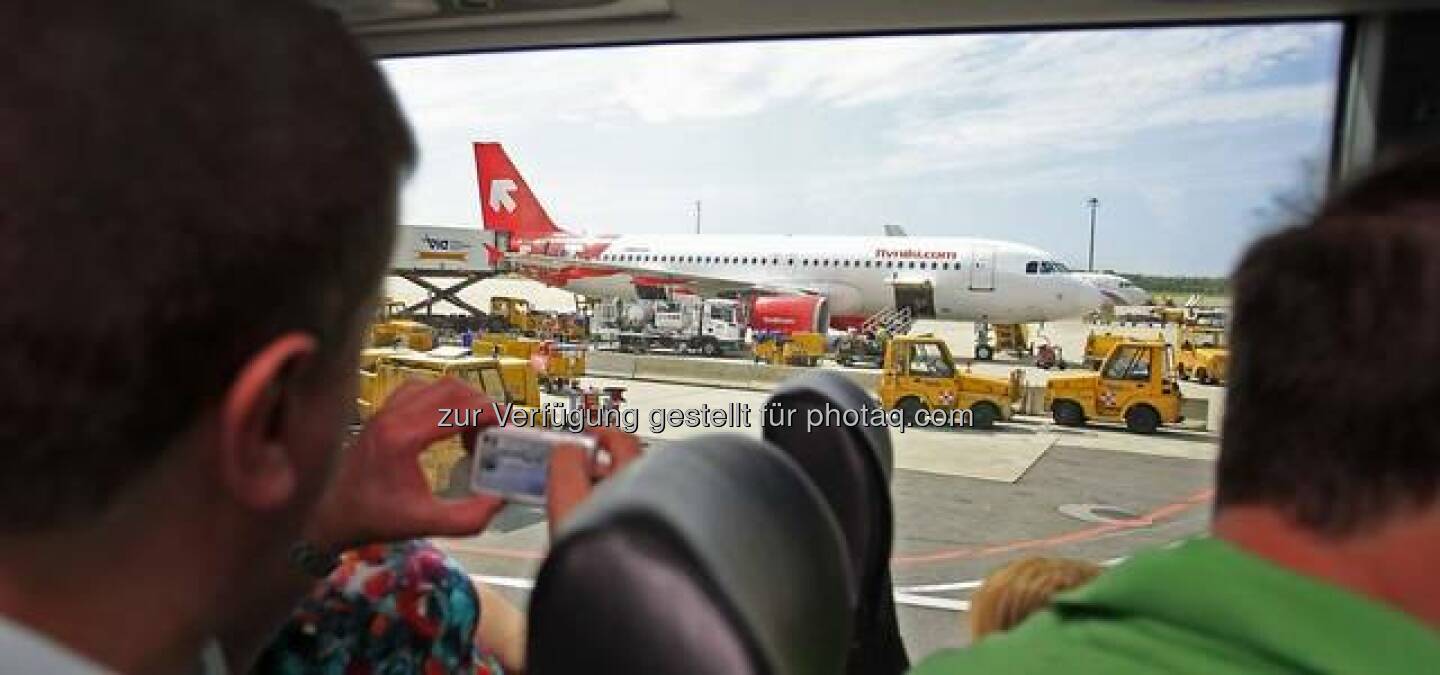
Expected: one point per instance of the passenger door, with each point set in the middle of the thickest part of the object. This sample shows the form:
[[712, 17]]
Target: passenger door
[[982, 269]]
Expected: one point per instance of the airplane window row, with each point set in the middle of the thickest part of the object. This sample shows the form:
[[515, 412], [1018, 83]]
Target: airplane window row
[[1045, 267], [804, 262]]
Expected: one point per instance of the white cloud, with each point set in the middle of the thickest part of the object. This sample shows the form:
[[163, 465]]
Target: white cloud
[[900, 120]]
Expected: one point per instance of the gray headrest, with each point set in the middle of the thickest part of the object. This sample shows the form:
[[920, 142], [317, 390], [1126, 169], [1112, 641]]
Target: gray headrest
[[851, 465], [712, 555]]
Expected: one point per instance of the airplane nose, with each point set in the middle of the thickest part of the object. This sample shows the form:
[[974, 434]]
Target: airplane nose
[[1082, 297]]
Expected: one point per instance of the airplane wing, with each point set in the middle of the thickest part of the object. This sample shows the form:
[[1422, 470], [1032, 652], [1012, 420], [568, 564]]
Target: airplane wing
[[700, 284]]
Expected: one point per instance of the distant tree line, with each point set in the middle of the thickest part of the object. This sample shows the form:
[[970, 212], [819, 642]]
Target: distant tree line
[[1181, 285]]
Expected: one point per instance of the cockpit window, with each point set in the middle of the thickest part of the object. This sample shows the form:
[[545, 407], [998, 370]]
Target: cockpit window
[[1032, 267]]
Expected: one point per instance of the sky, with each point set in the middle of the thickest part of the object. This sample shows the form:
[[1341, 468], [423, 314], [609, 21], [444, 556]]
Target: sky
[[1184, 135]]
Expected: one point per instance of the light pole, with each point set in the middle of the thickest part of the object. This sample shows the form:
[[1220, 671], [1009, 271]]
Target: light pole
[[697, 216], [1094, 205]]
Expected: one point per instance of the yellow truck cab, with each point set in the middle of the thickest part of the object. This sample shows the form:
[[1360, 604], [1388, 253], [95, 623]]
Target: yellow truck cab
[[920, 375], [796, 349], [1098, 346], [510, 314], [504, 380], [391, 331], [1133, 387], [1203, 354]]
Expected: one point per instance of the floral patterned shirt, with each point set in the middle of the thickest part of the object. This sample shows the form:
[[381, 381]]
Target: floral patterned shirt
[[396, 609]]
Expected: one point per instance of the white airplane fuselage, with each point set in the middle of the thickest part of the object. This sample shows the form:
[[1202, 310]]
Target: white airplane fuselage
[[967, 279]]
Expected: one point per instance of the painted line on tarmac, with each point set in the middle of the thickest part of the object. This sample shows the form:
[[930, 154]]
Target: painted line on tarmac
[[917, 600], [1076, 536], [943, 555], [520, 583], [911, 599], [952, 586]]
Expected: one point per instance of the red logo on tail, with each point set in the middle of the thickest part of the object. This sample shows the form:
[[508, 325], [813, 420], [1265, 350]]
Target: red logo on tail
[[505, 200]]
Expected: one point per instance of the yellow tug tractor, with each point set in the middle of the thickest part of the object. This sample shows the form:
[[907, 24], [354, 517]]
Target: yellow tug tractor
[[920, 375], [796, 349], [389, 330], [1203, 354], [1133, 387]]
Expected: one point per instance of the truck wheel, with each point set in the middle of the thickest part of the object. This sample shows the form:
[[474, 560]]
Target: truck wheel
[[1142, 419], [709, 348], [984, 352], [844, 361], [1068, 413], [1182, 372], [983, 415], [910, 408]]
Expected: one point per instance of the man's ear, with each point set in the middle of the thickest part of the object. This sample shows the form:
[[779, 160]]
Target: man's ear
[[255, 462]]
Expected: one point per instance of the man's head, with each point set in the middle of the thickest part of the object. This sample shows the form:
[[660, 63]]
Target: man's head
[[1335, 366], [197, 201]]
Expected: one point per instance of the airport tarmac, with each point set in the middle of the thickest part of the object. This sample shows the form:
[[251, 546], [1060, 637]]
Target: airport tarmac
[[965, 502]]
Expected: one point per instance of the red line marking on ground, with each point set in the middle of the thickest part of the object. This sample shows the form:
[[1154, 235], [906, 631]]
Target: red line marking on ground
[[969, 553]]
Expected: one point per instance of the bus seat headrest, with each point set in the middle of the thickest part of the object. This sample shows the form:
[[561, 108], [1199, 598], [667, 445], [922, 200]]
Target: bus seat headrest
[[714, 555]]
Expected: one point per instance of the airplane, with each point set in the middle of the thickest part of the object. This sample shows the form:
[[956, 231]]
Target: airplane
[[794, 282], [1117, 289]]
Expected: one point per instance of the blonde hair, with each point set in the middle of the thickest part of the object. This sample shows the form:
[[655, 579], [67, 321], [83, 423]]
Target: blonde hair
[[1019, 588]]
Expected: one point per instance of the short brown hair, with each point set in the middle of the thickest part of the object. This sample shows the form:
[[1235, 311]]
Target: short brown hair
[[180, 182], [1335, 358], [1022, 587]]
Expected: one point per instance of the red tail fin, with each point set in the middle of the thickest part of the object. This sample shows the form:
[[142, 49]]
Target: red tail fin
[[505, 199]]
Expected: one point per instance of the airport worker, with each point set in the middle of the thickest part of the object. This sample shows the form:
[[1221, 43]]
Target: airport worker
[[1326, 527], [217, 180]]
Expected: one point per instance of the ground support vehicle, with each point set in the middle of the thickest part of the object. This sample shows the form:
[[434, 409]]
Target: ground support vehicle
[[795, 349], [920, 377], [1202, 355], [1134, 387], [860, 348], [390, 330], [710, 327], [503, 379]]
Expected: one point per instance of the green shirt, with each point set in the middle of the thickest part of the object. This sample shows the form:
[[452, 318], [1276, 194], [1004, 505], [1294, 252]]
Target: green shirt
[[1203, 606]]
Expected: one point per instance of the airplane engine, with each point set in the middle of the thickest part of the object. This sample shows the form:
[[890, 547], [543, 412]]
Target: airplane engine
[[841, 298], [790, 314]]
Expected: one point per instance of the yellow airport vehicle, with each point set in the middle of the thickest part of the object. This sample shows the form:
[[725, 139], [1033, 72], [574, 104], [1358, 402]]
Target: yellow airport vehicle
[[390, 331], [866, 348], [1013, 338], [1002, 337], [795, 349], [920, 375], [1170, 314], [562, 327], [505, 344], [1133, 387], [504, 380], [1203, 354], [561, 365], [509, 314], [1098, 346]]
